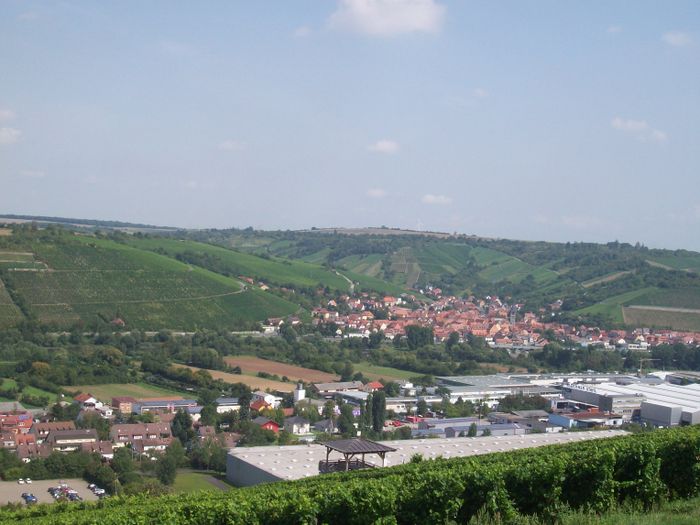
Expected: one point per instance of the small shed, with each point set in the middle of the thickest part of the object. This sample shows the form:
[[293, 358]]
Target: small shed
[[350, 449]]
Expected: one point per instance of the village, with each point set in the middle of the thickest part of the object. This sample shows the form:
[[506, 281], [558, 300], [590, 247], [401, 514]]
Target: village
[[502, 325]]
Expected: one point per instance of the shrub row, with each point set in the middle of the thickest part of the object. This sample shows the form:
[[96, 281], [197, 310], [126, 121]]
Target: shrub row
[[594, 476]]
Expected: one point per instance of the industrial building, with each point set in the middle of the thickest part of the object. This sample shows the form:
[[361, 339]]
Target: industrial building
[[662, 404], [251, 466], [490, 388]]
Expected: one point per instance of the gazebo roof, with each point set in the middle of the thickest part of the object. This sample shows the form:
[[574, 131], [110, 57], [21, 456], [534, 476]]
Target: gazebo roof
[[357, 446]]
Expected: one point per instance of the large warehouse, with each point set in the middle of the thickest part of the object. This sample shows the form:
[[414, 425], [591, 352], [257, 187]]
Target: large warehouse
[[251, 466], [662, 404]]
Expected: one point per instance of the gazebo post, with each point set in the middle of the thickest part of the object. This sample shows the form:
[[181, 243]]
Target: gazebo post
[[347, 462]]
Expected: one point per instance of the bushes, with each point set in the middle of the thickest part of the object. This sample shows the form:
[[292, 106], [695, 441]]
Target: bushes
[[636, 470]]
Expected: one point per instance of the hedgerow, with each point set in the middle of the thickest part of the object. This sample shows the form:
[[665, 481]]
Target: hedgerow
[[591, 476]]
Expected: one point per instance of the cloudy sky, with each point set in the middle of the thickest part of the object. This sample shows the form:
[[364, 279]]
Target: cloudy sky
[[551, 120]]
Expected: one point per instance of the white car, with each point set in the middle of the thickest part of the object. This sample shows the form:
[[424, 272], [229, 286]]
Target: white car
[[20, 481], [28, 480]]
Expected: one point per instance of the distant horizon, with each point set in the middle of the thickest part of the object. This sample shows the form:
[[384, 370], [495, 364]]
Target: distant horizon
[[568, 120], [146, 224]]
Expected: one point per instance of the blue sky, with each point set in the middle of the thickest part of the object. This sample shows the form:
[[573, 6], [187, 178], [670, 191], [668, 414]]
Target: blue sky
[[568, 121]]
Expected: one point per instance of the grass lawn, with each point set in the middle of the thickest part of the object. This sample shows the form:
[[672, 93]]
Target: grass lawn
[[382, 372], [29, 390], [681, 512], [193, 481], [105, 393]]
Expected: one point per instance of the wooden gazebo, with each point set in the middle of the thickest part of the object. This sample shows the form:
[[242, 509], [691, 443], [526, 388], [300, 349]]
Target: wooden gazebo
[[350, 448]]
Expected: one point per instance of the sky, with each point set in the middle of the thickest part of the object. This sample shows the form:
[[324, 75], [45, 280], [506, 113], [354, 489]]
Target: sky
[[547, 120]]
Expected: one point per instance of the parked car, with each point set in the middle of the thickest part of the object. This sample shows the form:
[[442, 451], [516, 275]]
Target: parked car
[[28, 480], [20, 481]]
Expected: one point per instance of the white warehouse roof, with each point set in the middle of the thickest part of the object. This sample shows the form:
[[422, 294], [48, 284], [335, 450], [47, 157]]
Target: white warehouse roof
[[249, 466]]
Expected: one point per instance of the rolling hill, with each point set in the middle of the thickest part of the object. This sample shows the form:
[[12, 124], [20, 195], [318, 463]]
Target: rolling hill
[[607, 284], [83, 279], [183, 279]]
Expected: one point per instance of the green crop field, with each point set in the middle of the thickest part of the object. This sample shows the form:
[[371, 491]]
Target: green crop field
[[612, 306], [370, 265], [367, 283], [661, 318], [9, 313], [90, 277], [271, 270], [676, 298], [679, 261], [382, 372]]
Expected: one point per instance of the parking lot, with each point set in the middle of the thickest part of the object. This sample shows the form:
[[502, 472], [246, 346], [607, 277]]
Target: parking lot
[[11, 491]]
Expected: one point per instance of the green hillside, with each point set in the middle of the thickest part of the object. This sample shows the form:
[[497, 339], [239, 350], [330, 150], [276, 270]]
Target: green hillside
[[270, 270], [86, 279], [605, 284], [594, 281]]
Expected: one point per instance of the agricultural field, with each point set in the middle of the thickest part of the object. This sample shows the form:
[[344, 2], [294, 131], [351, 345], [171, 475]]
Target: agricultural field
[[649, 316], [375, 372], [688, 261], [612, 306], [106, 392], [604, 279], [370, 265], [406, 267], [271, 270], [366, 283], [9, 313], [675, 298], [89, 278], [255, 383], [251, 365]]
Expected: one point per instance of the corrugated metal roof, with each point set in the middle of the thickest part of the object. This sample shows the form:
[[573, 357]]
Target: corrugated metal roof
[[357, 446]]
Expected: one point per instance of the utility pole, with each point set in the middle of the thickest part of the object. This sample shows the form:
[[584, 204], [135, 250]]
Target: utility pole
[[641, 364]]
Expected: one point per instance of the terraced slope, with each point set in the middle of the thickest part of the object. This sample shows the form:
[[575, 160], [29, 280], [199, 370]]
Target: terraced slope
[[270, 269], [86, 279]]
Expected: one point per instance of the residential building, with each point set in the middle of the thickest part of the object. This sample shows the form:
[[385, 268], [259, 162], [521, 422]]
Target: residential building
[[297, 425], [69, 440], [42, 430]]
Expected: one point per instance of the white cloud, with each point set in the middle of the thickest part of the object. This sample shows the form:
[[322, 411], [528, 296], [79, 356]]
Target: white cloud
[[480, 93], [9, 135], [384, 146], [232, 145], [6, 114], [429, 198], [301, 32], [639, 129], [33, 174], [677, 38], [613, 30], [388, 17], [376, 193]]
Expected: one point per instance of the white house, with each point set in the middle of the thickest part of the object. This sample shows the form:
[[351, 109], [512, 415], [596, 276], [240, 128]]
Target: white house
[[297, 425]]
